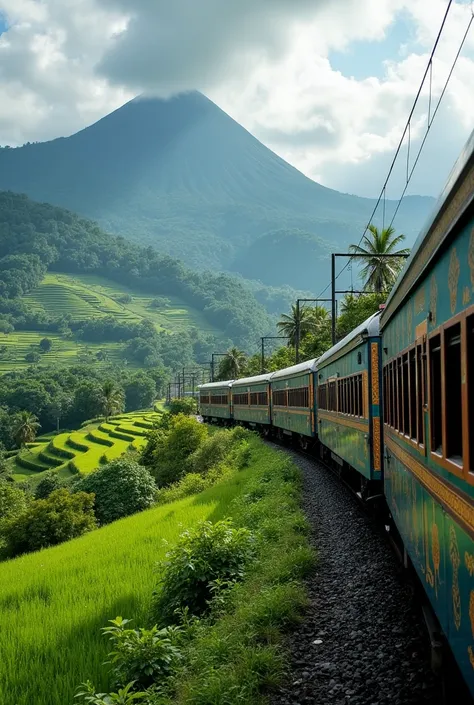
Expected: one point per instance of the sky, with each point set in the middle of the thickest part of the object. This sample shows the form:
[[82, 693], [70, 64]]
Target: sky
[[327, 84]]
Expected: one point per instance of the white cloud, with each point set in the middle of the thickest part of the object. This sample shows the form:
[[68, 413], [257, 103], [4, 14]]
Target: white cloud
[[65, 63]]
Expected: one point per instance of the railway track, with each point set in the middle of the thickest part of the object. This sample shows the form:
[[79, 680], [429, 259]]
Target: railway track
[[365, 639]]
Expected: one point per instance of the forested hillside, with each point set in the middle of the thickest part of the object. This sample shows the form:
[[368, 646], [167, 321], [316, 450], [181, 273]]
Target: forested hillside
[[36, 238], [181, 175]]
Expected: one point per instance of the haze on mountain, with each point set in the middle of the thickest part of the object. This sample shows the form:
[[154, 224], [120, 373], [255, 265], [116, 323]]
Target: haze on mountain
[[183, 176]]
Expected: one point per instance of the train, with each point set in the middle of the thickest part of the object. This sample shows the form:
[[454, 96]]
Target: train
[[391, 406]]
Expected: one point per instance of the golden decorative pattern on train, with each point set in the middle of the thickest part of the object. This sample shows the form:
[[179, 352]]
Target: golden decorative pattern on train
[[433, 299], [420, 301], [374, 354], [466, 296], [455, 562], [376, 442], [453, 278], [455, 503], [469, 563], [470, 256], [409, 322]]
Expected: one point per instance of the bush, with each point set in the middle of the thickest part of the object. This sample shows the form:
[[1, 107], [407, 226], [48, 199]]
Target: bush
[[13, 502], [206, 556], [121, 487], [48, 484], [47, 522], [184, 405], [171, 449], [143, 656], [215, 449]]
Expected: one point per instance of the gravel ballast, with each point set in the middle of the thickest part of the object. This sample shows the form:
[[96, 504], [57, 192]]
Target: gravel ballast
[[363, 640]]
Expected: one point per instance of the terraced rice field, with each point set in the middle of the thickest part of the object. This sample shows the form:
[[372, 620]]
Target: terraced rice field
[[85, 450], [14, 346], [85, 297]]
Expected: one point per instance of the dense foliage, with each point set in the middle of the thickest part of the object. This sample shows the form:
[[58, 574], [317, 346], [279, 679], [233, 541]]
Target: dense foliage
[[47, 522], [207, 557], [35, 237], [120, 488], [69, 396]]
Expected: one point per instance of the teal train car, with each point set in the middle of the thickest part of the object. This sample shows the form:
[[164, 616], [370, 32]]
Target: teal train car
[[349, 388], [293, 402], [215, 401], [251, 401], [428, 386]]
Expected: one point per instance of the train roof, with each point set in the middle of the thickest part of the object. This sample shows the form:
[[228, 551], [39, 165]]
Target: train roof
[[369, 328], [216, 385], [456, 196], [308, 366], [253, 380]]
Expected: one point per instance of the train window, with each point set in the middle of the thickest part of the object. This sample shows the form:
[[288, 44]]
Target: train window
[[453, 393], [241, 399], [204, 399], [258, 398], [420, 393], [361, 395], [436, 401], [414, 401], [470, 387], [322, 396], [399, 396], [279, 397], [340, 389], [219, 399], [298, 397]]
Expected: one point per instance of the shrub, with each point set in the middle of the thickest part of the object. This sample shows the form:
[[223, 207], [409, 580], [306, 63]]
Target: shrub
[[124, 696], [172, 449], [143, 656], [32, 356], [204, 556], [47, 522], [215, 449], [183, 405], [48, 484], [13, 502], [121, 487]]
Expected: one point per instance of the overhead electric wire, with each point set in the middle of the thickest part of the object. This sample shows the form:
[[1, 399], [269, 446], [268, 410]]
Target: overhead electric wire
[[429, 69]]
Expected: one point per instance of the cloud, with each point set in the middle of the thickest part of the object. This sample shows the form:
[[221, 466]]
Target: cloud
[[66, 63]]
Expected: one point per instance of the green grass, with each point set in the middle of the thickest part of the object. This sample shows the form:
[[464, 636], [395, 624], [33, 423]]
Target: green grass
[[84, 297], [53, 603], [84, 448]]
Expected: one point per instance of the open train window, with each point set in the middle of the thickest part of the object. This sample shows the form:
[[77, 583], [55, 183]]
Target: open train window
[[360, 410], [453, 392], [405, 396], [436, 411], [414, 402], [279, 397], [470, 387], [420, 393]]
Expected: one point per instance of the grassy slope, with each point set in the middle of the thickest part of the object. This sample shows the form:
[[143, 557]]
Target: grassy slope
[[53, 603], [84, 447], [84, 297]]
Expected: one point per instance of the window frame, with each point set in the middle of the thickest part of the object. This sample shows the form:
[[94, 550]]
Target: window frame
[[463, 470], [396, 392]]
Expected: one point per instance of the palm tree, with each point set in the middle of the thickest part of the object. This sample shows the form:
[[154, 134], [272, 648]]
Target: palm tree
[[379, 272], [26, 428], [288, 325], [112, 399], [233, 364]]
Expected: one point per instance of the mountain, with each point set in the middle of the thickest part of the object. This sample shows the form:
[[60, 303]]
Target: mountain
[[182, 175]]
